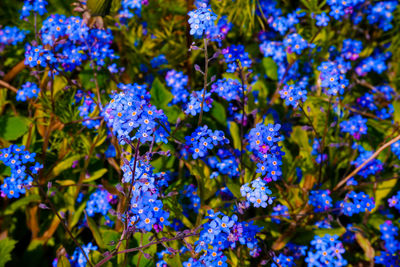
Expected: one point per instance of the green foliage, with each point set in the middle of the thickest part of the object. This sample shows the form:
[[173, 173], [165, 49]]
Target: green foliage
[[6, 247]]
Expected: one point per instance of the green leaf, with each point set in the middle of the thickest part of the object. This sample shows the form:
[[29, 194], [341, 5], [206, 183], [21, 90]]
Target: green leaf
[[271, 69], [383, 190], [396, 114], [234, 130], [20, 203], [365, 245], [95, 257], [63, 165], [110, 238], [96, 175], [218, 113], [99, 7], [233, 187], [63, 262], [95, 231], [160, 96], [334, 231], [11, 128], [6, 247]]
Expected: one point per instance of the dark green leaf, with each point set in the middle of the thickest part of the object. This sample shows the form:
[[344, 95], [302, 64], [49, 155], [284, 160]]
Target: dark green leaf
[[11, 128], [6, 247]]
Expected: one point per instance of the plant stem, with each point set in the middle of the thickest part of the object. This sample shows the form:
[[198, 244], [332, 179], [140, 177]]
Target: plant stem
[[394, 140], [205, 80]]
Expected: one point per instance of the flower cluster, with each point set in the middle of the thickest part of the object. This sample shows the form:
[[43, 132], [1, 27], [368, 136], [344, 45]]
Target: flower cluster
[[228, 89], [381, 14], [130, 110], [326, 251], [356, 126], [376, 62], [219, 31], [11, 35], [87, 108], [71, 43], [283, 260], [396, 148], [372, 167], [99, 202], [226, 165], [332, 78], [235, 55], [178, 83], [294, 43], [355, 203], [18, 159], [321, 200], [78, 259], [127, 6], [28, 91], [294, 94], [351, 49], [279, 211], [390, 257], [201, 20], [258, 193], [146, 210], [263, 142], [190, 192], [196, 101], [38, 6], [221, 232], [202, 140]]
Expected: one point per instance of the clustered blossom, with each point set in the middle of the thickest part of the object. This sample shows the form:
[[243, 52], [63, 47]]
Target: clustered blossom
[[201, 20], [78, 259], [280, 211], [263, 142], [226, 164], [190, 192], [294, 43], [389, 233], [28, 91], [351, 49], [355, 203], [258, 193], [18, 159], [396, 148], [127, 6], [321, 200], [130, 116], [235, 55], [222, 232], [372, 167], [196, 102], [333, 78], [219, 31], [146, 209], [202, 140], [11, 35], [67, 43], [99, 202], [356, 126], [381, 13], [87, 108], [294, 94], [228, 89], [178, 83], [36, 6], [326, 251]]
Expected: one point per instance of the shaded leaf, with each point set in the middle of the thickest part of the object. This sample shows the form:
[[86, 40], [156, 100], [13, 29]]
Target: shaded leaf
[[6, 247]]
